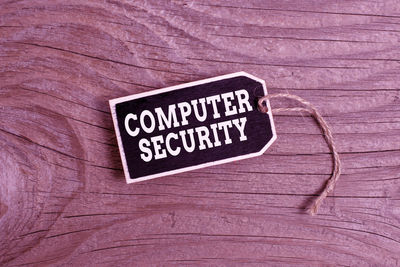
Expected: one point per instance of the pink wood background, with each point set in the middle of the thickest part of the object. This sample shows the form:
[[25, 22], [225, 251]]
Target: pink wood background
[[63, 198]]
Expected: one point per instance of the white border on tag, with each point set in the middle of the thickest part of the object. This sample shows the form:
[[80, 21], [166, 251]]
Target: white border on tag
[[115, 101]]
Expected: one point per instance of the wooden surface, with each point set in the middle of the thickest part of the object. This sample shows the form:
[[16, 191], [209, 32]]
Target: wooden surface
[[63, 197]]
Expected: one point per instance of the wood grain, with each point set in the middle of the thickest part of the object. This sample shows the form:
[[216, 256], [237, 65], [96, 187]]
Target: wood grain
[[63, 197]]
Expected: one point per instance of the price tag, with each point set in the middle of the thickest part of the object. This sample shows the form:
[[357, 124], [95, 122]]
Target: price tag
[[191, 126]]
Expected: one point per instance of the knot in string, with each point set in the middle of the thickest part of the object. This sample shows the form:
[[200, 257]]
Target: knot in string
[[308, 107]]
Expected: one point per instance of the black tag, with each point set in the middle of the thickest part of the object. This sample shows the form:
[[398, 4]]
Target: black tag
[[191, 126]]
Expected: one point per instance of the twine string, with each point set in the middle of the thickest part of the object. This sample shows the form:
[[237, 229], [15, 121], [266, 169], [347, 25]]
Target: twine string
[[308, 107]]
